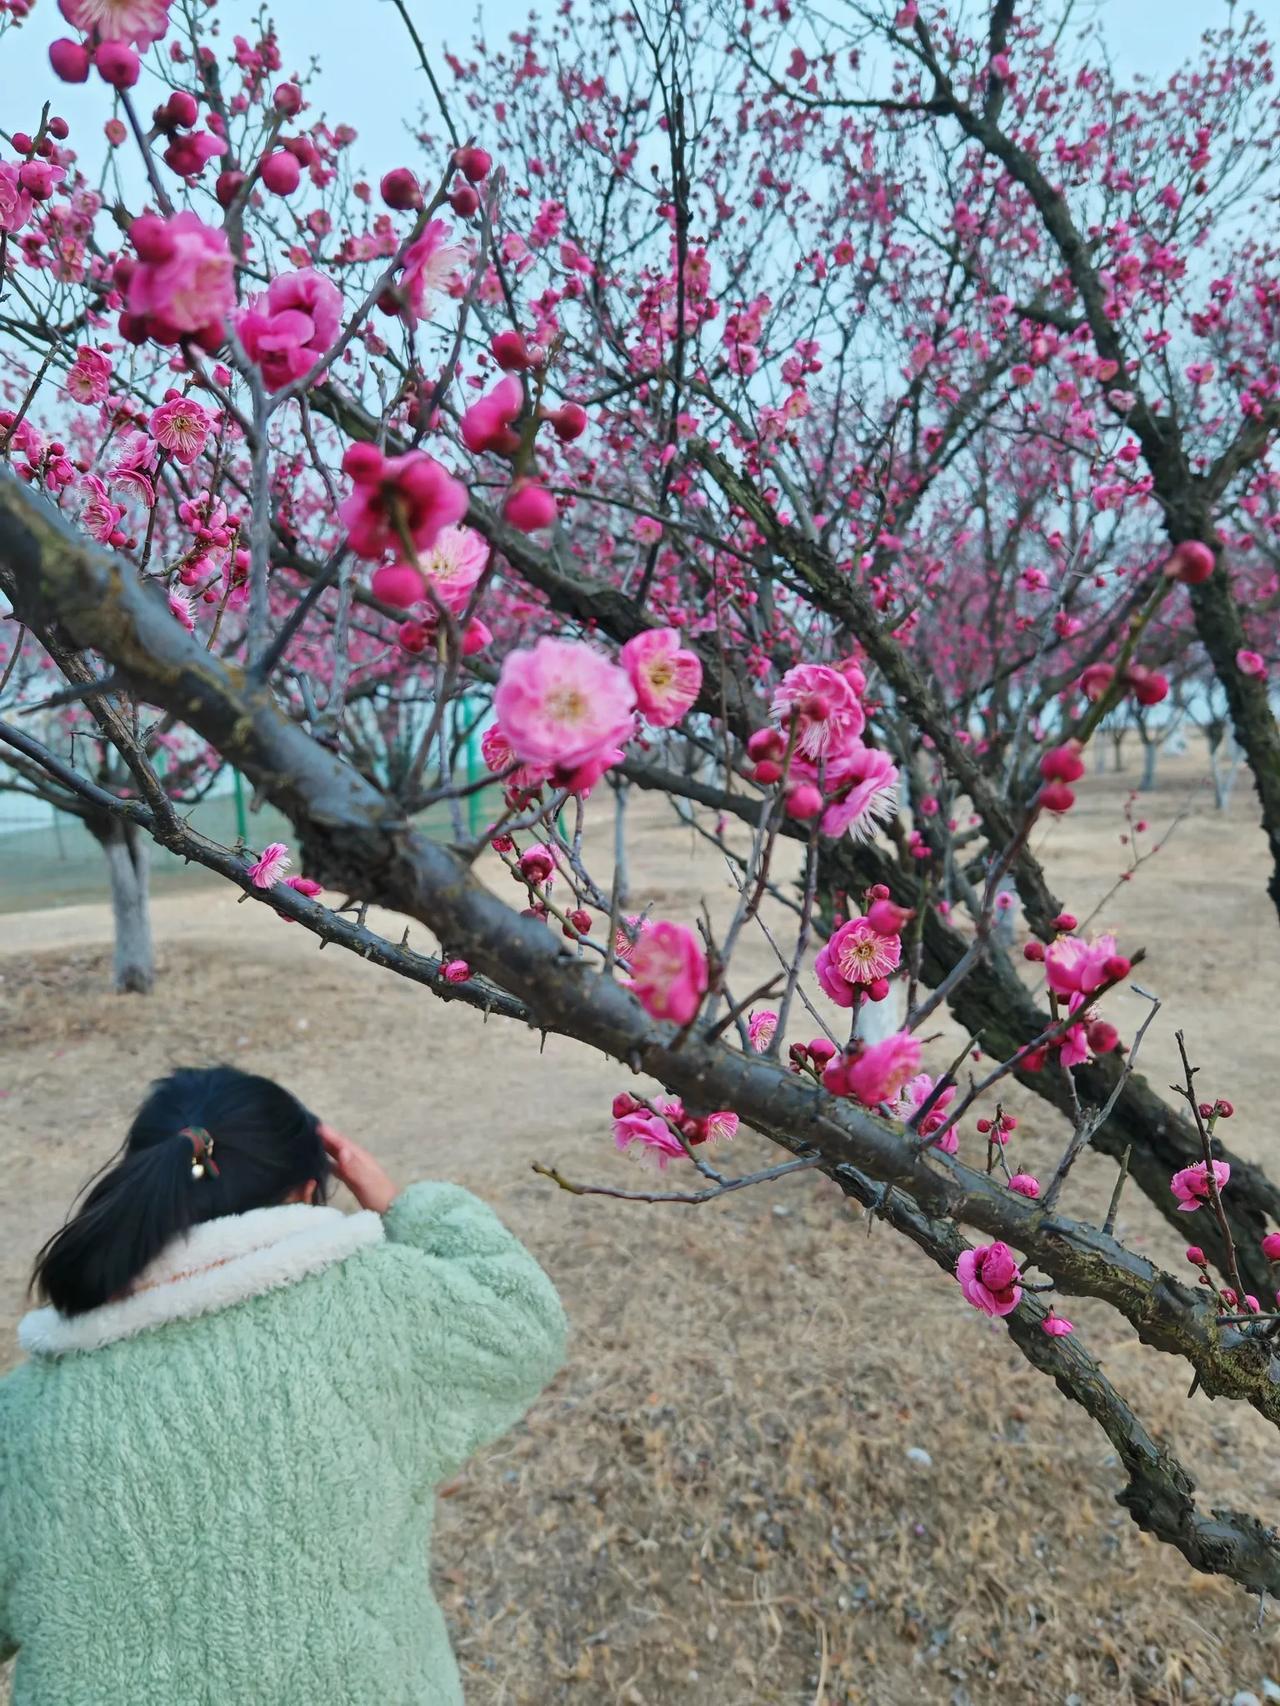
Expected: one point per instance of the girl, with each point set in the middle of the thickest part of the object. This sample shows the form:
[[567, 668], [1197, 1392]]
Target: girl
[[216, 1467]]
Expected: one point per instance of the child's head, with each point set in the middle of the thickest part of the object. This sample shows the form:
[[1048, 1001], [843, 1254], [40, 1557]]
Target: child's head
[[207, 1141]]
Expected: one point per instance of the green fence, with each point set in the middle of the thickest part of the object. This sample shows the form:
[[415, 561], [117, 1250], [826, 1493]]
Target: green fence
[[58, 863]]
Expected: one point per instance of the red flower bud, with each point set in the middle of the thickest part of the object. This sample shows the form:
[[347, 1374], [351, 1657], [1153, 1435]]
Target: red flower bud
[[1095, 680], [1033, 951], [803, 802], [511, 352], [400, 189], [766, 743], [474, 164], [1057, 797], [281, 173], [1102, 1036], [1062, 763], [569, 421], [1192, 562], [887, 918]]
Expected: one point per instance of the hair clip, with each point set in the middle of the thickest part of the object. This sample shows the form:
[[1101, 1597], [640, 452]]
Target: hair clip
[[202, 1145]]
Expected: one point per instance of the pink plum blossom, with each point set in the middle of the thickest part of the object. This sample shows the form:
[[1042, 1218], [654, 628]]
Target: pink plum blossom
[[1191, 1184], [90, 377], [647, 1136], [1251, 663], [288, 327], [667, 678], [266, 871], [410, 492], [1057, 1326], [100, 515], [826, 712], [1074, 966], [181, 608], [865, 783], [761, 1028], [989, 1278], [138, 21], [879, 1072], [183, 281], [453, 565], [669, 971], [562, 703], [914, 1094], [15, 201], [856, 955], [1025, 1184], [429, 264], [181, 427]]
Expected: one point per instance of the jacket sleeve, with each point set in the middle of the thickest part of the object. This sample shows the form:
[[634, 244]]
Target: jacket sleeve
[[8, 1537], [487, 1329]]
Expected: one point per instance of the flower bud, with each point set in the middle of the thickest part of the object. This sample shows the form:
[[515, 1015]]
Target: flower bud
[[401, 190], [821, 1050], [1033, 951], [456, 971], [287, 99], [886, 917], [1115, 967], [1271, 1246], [281, 173], [766, 743], [70, 60], [803, 801], [1195, 1255], [1102, 1036], [1065, 921], [511, 352], [117, 64], [877, 990], [474, 164], [464, 201], [398, 584], [569, 421], [1057, 797], [1191, 563]]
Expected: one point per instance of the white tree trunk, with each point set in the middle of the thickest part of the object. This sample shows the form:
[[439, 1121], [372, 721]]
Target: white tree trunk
[[129, 869], [880, 1019]]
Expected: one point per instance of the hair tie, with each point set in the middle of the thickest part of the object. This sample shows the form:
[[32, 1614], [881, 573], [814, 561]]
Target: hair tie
[[202, 1145]]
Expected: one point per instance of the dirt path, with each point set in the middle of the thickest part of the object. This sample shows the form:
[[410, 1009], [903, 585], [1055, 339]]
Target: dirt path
[[715, 1504]]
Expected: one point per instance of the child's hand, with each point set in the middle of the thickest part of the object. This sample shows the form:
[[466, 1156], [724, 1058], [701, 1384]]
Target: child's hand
[[364, 1177]]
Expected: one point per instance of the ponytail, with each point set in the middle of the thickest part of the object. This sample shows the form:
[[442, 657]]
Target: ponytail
[[129, 1215], [206, 1142]]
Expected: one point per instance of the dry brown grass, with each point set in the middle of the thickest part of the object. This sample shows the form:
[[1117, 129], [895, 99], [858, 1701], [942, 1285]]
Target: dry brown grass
[[714, 1504]]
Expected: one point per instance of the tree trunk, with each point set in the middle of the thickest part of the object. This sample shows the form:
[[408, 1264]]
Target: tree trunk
[[128, 869], [1150, 753]]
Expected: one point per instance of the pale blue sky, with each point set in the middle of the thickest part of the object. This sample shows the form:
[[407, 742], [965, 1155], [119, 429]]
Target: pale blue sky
[[370, 79]]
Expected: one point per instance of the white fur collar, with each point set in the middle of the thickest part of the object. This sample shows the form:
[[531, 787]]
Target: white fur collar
[[220, 1262]]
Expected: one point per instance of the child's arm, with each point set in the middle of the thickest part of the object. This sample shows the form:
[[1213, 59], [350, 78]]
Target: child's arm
[[8, 1546], [487, 1325]]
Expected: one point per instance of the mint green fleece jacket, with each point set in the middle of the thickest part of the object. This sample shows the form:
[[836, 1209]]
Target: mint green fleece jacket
[[218, 1490]]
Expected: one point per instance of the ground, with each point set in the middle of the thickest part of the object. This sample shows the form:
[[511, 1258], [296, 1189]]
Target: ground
[[785, 1463]]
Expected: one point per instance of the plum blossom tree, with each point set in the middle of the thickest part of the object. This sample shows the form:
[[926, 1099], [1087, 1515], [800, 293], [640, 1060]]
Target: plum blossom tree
[[825, 434]]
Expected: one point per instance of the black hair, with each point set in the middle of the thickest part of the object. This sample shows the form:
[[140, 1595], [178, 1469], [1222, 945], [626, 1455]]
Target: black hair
[[264, 1144]]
